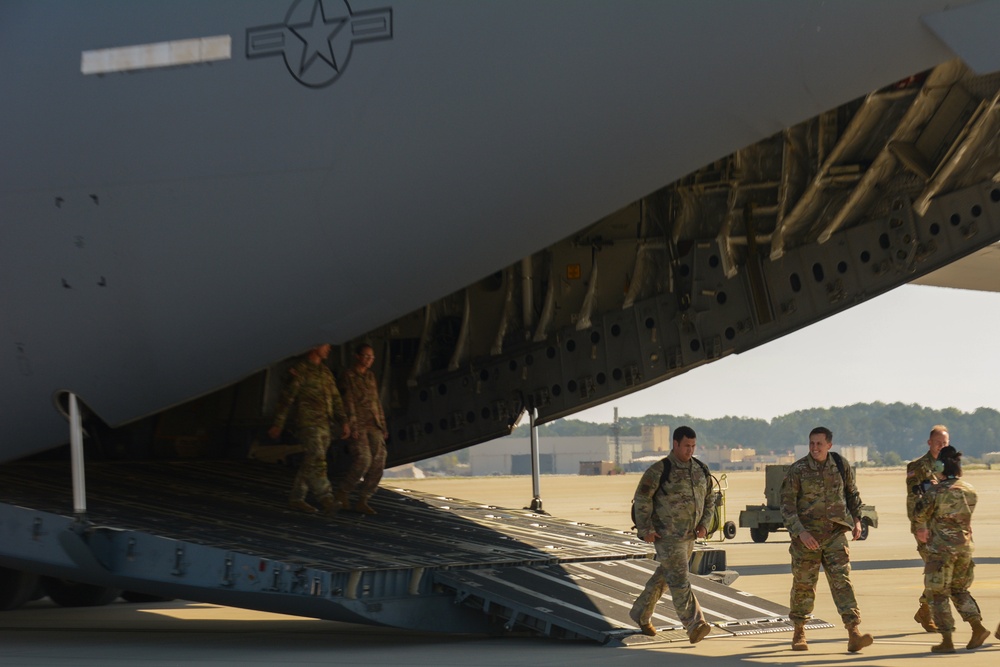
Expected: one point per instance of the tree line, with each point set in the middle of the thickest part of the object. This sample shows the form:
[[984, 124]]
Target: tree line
[[893, 432]]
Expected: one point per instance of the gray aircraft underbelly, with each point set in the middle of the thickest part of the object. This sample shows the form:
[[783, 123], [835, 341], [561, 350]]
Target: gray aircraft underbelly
[[169, 229]]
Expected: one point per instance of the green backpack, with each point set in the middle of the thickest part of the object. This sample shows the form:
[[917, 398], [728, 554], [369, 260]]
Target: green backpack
[[666, 473]]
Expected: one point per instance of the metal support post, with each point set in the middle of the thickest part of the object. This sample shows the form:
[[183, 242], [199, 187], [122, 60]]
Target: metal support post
[[536, 493], [617, 429], [76, 452]]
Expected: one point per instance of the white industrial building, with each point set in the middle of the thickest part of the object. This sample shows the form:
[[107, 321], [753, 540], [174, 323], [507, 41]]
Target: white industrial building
[[563, 455], [556, 455]]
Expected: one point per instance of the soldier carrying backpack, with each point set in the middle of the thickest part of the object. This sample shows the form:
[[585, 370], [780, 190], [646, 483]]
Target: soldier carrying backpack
[[673, 506]]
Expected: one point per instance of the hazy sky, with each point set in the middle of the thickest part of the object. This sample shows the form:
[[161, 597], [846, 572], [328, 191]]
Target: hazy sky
[[934, 346]]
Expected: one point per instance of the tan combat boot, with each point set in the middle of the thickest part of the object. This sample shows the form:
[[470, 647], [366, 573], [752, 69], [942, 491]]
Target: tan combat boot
[[699, 632], [799, 638], [647, 629], [330, 506], [302, 506], [945, 646], [644, 626], [857, 641], [342, 498], [924, 618], [979, 635], [363, 507]]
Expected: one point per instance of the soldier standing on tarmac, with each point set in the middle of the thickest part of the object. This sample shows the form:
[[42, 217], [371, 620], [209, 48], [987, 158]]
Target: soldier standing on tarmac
[[368, 430], [919, 479], [944, 525], [671, 511], [313, 391], [820, 503]]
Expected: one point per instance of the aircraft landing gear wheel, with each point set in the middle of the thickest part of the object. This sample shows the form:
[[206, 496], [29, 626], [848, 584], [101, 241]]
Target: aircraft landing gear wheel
[[758, 534], [729, 530], [74, 594], [16, 588], [864, 531]]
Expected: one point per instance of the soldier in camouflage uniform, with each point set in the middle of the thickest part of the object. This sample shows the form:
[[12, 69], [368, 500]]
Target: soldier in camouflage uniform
[[919, 477], [368, 430], [944, 524], [819, 508], [312, 391], [671, 511]]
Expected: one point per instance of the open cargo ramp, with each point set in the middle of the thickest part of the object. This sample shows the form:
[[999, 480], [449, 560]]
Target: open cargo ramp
[[220, 532], [592, 600]]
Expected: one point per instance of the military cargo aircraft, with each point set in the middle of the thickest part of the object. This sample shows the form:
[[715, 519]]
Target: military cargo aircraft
[[522, 206]]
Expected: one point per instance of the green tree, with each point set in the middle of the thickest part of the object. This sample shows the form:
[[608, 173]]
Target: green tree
[[892, 459], [894, 432]]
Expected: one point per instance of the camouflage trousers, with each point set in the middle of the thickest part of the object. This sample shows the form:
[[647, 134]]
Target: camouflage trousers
[[311, 475], [948, 576], [673, 557], [834, 555], [367, 453], [925, 595]]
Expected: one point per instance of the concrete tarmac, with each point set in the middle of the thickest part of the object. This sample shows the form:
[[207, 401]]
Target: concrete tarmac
[[887, 577]]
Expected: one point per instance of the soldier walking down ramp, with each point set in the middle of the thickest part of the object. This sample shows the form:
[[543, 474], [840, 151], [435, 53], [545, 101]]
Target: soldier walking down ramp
[[368, 431], [673, 505], [944, 524], [919, 478], [820, 503], [312, 391]]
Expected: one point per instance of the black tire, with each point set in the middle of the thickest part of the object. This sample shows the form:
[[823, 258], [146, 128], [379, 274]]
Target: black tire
[[16, 588], [864, 531], [759, 535], [74, 594], [729, 530]]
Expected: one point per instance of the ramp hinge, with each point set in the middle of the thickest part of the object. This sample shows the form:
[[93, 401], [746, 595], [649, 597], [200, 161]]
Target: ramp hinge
[[227, 574], [178, 562]]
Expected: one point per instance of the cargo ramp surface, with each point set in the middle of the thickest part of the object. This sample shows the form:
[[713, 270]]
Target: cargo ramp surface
[[220, 532]]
